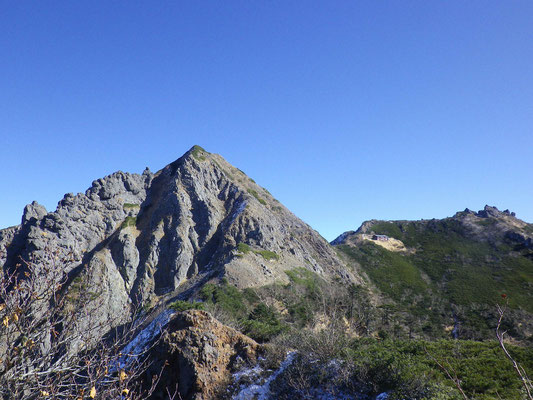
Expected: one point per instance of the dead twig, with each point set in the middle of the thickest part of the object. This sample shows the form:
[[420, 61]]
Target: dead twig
[[526, 382]]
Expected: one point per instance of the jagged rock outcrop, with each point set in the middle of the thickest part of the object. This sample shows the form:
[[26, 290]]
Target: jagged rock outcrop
[[74, 238], [199, 355], [134, 239], [79, 224]]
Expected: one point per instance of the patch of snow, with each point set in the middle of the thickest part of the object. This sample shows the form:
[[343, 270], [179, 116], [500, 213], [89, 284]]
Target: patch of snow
[[382, 396], [248, 373], [455, 331], [238, 211], [261, 391], [142, 340]]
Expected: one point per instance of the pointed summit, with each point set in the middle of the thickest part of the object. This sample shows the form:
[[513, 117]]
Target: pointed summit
[[145, 237], [213, 220]]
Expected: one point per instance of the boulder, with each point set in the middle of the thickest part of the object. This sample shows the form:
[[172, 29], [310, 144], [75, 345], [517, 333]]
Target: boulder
[[198, 355]]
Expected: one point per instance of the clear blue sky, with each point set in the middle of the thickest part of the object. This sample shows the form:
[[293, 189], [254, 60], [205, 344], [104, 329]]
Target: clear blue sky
[[344, 110]]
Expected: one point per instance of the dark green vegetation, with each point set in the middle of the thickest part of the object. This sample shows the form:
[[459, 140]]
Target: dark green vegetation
[[481, 367], [407, 369], [243, 248], [181, 305], [329, 323], [199, 153], [256, 195], [474, 270], [128, 221], [265, 312], [267, 254], [242, 309], [450, 271]]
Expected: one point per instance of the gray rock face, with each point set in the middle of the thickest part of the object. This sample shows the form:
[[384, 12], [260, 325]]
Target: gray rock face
[[489, 211], [199, 209], [76, 236], [33, 212], [134, 238], [6, 239], [80, 222]]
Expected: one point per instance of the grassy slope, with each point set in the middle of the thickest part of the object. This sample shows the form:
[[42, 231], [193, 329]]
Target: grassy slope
[[481, 367], [462, 271], [404, 368]]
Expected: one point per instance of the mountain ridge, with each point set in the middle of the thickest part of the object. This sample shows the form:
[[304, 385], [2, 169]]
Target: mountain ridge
[[199, 234], [458, 267], [139, 237]]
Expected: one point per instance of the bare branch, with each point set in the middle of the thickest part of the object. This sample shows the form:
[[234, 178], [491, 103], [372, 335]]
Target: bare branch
[[51, 348], [526, 382], [454, 378]]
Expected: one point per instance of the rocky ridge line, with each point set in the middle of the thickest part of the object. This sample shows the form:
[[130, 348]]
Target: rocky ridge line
[[139, 239]]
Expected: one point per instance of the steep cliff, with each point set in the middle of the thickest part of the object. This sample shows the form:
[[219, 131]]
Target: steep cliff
[[135, 239]]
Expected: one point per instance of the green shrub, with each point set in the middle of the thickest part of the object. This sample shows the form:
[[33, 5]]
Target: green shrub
[[263, 323], [396, 366], [302, 312], [267, 255], [250, 295], [243, 248], [181, 305], [130, 205], [129, 221], [392, 272], [228, 297], [303, 277], [255, 318], [256, 195], [199, 153]]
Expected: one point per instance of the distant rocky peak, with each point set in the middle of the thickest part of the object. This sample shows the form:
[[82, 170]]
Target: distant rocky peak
[[487, 212], [491, 211], [489, 224], [366, 226], [342, 238]]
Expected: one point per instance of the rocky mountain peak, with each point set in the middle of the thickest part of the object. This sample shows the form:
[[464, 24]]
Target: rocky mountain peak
[[147, 237], [491, 211], [487, 212]]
